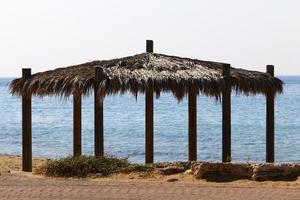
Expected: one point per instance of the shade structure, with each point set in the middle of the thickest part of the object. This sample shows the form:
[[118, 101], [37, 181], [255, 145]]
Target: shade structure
[[150, 73], [136, 73]]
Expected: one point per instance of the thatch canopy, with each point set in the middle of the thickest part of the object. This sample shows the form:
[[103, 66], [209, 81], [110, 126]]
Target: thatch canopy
[[135, 74]]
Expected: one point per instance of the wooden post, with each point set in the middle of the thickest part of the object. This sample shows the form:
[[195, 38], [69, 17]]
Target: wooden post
[[149, 127], [98, 114], [26, 126], [149, 115], [77, 124], [192, 104], [226, 116], [149, 46], [270, 128]]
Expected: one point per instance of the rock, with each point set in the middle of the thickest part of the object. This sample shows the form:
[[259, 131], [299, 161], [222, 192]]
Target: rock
[[185, 165], [257, 172], [172, 170], [188, 172], [222, 171], [172, 179], [195, 164], [273, 172]]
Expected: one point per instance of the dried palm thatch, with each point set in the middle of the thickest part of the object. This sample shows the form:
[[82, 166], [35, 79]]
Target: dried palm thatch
[[157, 72]]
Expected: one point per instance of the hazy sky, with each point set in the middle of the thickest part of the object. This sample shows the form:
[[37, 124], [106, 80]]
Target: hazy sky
[[46, 34]]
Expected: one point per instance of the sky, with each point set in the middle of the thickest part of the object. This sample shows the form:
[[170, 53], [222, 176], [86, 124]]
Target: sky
[[247, 34]]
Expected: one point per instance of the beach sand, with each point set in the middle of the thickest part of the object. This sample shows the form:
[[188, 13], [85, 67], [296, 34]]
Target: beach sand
[[13, 165]]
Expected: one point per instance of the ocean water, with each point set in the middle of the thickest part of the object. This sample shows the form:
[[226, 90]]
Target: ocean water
[[124, 126]]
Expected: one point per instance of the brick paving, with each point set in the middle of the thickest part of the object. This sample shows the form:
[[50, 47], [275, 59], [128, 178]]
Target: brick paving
[[14, 186]]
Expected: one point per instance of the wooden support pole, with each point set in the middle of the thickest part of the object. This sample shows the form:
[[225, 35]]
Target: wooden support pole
[[149, 127], [77, 124], [149, 115], [26, 126], [226, 115], [98, 114], [192, 104], [270, 125]]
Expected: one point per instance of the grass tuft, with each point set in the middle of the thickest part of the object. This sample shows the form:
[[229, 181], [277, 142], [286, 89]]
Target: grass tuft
[[89, 165]]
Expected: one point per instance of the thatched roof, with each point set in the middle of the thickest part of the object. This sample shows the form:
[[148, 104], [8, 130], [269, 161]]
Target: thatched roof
[[160, 72]]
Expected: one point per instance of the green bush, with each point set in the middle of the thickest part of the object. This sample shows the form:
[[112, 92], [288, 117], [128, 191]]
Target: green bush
[[88, 165]]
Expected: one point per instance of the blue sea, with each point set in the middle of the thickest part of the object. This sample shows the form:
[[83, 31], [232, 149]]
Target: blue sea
[[124, 126]]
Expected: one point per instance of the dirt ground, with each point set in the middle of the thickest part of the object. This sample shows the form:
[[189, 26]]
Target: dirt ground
[[13, 164]]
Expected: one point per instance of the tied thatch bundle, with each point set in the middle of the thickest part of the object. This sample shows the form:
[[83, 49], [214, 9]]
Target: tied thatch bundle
[[157, 72]]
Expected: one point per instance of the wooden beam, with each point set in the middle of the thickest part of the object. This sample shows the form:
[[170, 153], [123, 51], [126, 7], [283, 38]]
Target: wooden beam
[[98, 114], [192, 106], [77, 124], [270, 124], [226, 115], [149, 146], [26, 126]]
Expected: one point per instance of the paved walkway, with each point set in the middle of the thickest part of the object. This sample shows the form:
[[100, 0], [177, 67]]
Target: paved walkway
[[22, 187]]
